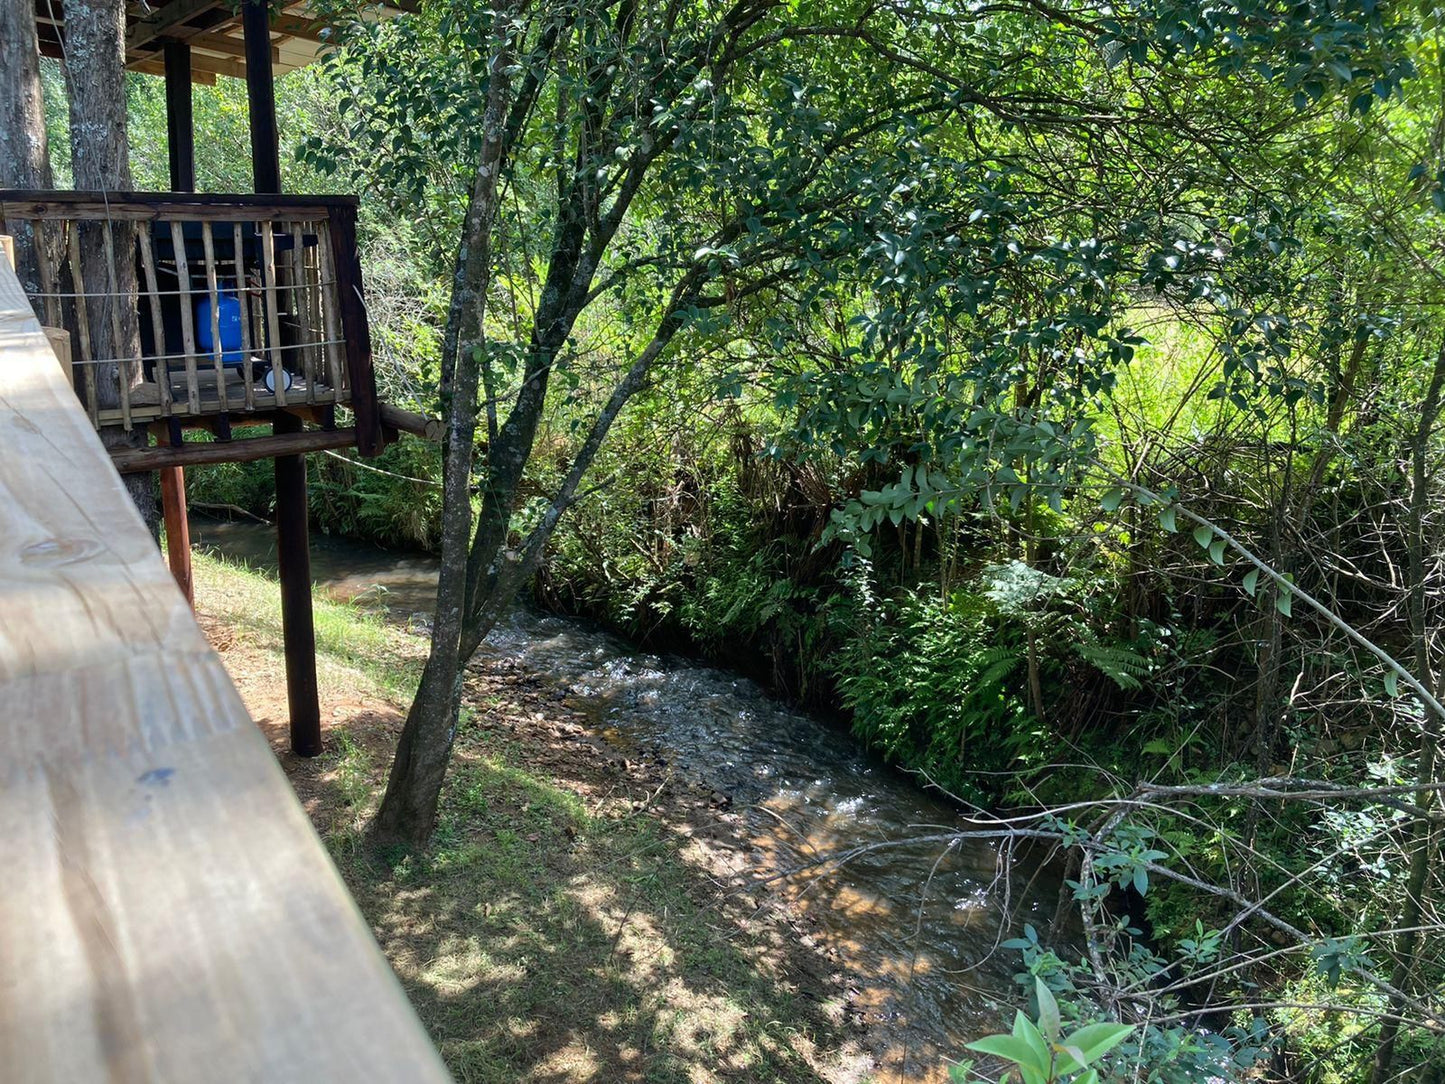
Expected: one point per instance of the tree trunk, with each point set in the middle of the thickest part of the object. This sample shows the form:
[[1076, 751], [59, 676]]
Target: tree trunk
[[1422, 834], [100, 159], [409, 808], [24, 147]]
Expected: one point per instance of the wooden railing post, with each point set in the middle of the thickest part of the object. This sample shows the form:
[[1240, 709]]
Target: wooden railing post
[[355, 330]]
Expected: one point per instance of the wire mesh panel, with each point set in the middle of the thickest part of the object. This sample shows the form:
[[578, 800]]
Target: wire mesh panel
[[185, 306]]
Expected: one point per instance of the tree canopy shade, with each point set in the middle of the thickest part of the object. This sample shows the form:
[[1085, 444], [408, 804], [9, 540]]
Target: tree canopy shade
[[978, 192]]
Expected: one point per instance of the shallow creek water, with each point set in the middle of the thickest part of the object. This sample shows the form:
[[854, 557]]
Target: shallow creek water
[[915, 928]]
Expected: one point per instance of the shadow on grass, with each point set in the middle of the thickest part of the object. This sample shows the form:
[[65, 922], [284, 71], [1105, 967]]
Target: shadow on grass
[[553, 935]]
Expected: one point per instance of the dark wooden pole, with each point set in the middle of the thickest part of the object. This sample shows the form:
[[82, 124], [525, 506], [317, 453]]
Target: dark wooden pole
[[293, 563], [180, 127], [261, 95], [181, 144], [293, 549], [357, 333]]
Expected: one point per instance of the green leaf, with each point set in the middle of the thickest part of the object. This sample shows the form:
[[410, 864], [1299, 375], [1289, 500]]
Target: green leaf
[[1216, 551], [1203, 535], [1096, 1040], [1392, 684], [1251, 581], [1112, 499], [1071, 1062], [1282, 600], [1167, 521], [1012, 1048], [1050, 1021], [1025, 1029]]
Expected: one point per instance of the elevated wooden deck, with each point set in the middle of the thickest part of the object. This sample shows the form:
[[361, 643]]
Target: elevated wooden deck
[[167, 912], [202, 309]]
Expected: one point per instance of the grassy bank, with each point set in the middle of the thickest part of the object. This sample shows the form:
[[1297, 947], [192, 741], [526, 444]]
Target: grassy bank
[[561, 929]]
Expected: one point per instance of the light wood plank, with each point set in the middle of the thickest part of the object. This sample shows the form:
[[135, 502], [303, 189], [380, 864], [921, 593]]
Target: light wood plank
[[153, 302], [82, 318], [213, 292], [326, 298], [300, 311], [188, 316], [271, 301], [243, 298], [168, 913]]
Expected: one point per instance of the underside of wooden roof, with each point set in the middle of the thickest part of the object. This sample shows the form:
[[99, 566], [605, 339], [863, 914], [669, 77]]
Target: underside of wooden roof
[[212, 28]]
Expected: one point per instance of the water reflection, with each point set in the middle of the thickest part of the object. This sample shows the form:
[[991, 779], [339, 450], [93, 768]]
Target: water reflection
[[914, 928]]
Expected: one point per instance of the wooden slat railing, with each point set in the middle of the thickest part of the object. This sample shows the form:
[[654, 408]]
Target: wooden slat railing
[[287, 264], [167, 912]]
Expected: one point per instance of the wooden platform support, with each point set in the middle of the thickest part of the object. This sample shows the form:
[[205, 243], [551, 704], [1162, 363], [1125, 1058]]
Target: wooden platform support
[[293, 567], [293, 547], [200, 453], [180, 125], [178, 530], [168, 913]]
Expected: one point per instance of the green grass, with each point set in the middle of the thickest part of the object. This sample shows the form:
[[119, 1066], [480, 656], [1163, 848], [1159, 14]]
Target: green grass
[[549, 934], [540, 940], [355, 648]]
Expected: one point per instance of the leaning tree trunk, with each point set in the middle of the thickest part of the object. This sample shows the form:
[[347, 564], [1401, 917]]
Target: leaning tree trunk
[[24, 147], [409, 808], [100, 159]]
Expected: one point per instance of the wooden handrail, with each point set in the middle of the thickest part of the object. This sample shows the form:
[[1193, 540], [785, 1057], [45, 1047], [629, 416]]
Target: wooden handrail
[[49, 205], [167, 911]]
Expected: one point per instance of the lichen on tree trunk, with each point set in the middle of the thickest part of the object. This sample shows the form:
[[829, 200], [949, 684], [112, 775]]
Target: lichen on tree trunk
[[100, 160], [24, 146]]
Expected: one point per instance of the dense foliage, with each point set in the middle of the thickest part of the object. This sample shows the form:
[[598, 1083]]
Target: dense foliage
[[1025, 374]]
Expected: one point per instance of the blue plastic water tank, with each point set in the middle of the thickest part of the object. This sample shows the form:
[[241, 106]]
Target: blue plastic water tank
[[228, 319]]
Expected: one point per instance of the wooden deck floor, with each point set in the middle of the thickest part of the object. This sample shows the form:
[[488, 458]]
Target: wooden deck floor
[[241, 397]]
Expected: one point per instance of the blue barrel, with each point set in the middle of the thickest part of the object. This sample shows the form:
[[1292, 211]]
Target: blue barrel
[[228, 313]]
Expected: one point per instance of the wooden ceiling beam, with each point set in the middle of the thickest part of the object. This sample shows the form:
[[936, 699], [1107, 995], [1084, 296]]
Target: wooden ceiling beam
[[157, 66], [201, 63], [317, 30], [162, 21], [210, 43]]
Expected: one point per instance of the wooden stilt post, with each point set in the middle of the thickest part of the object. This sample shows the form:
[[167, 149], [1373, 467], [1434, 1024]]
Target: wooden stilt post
[[293, 562], [293, 550], [180, 127], [181, 144], [178, 529], [261, 96]]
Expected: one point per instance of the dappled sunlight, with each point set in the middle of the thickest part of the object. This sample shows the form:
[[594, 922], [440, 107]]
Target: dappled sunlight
[[543, 940], [589, 911]]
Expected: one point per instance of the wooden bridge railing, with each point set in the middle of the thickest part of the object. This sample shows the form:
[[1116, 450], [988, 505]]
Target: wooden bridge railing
[[192, 304], [167, 912]]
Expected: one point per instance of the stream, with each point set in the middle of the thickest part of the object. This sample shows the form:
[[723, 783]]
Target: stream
[[915, 928]]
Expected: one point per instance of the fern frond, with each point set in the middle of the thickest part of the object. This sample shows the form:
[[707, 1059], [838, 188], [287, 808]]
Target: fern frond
[[1120, 663]]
